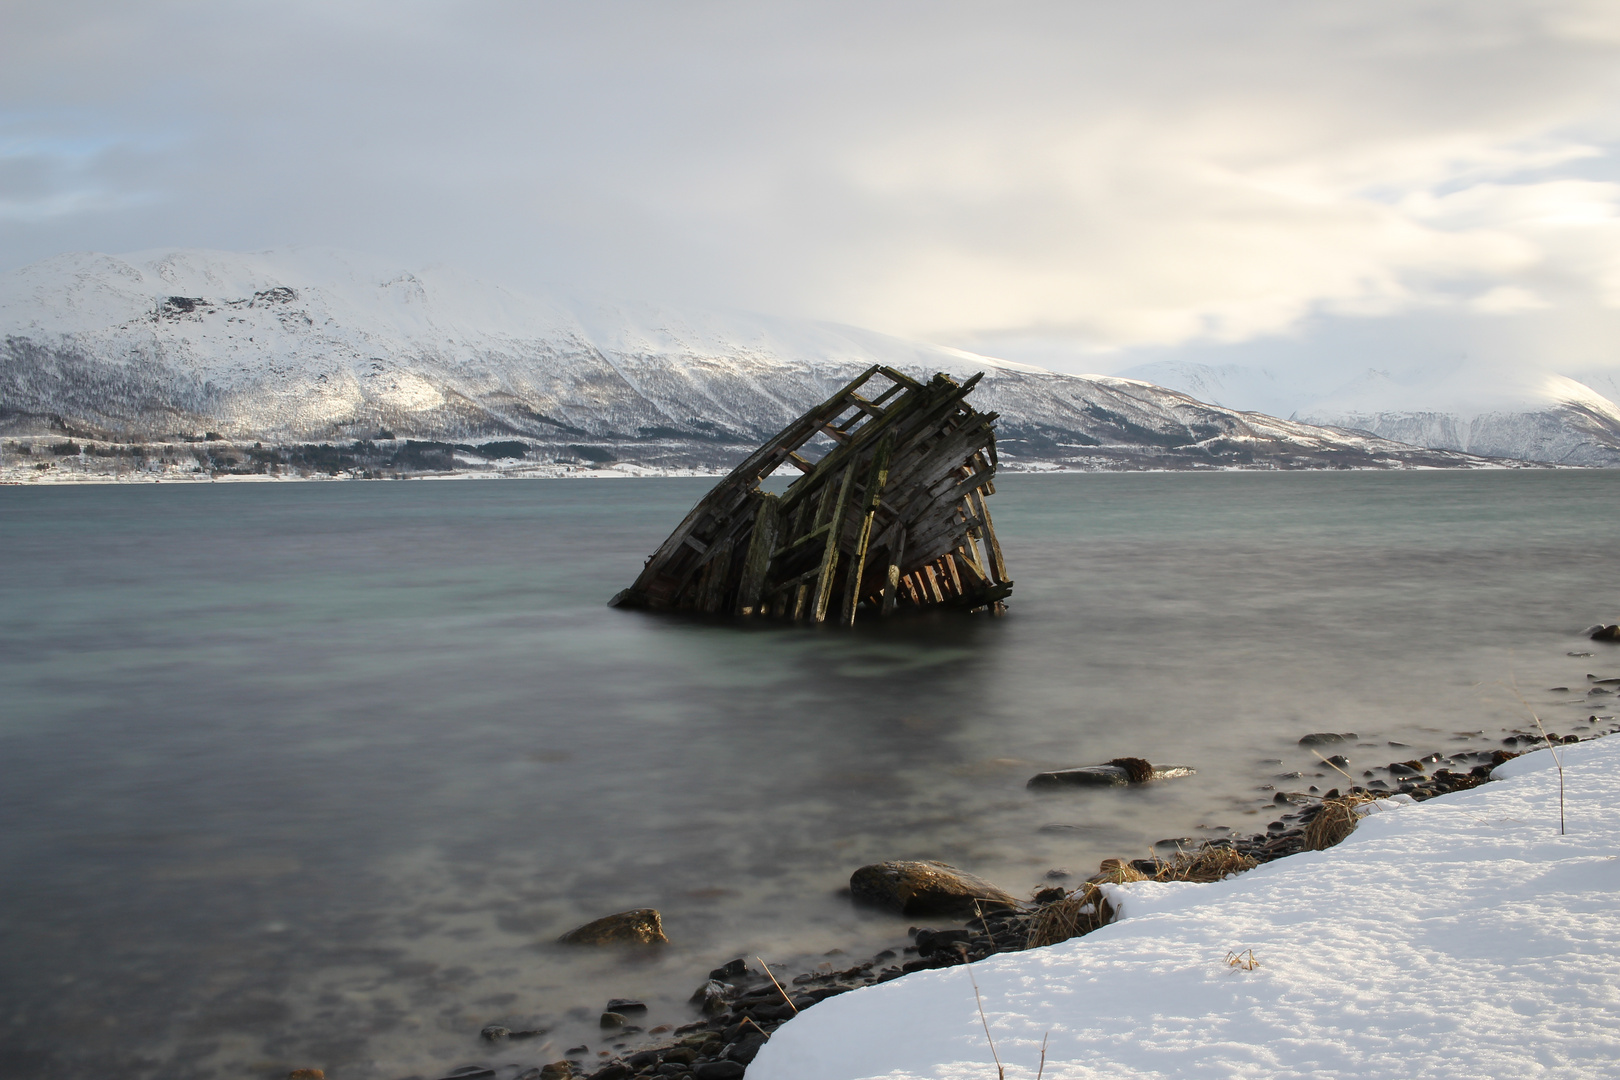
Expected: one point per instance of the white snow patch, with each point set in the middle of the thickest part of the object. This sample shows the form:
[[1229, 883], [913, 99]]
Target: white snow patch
[[1461, 938]]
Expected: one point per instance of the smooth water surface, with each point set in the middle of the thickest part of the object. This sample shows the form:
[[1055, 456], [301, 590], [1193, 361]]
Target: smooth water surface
[[312, 774]]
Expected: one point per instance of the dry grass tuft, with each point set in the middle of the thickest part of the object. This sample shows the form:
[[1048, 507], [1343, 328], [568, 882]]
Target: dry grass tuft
[[1116, 872], [1205, 864], [1245, 960], [1335, 821], [1081, 912]]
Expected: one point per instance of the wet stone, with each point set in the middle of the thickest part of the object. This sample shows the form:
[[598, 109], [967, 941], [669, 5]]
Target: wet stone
[[925, 888], [734, 969], [1328, 738], [719, 1070], [642, 926], [1116, 773]]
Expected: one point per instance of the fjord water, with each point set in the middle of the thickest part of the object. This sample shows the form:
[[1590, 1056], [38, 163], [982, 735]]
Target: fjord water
[[313, 774]]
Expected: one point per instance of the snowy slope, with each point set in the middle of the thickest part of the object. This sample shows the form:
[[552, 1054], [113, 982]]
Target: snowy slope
[[1494, 411], [1463, 937], [320, 345]]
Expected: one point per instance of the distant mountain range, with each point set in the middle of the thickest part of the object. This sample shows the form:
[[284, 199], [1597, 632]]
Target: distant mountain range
[[317, 346], [1530, 415]]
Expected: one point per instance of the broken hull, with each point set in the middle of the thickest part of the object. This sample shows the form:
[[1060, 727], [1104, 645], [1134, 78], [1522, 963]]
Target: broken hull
[[891, 516]]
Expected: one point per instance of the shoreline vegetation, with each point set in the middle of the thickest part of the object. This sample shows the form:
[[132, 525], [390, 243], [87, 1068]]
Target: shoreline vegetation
[[60, 459], [743, 1002]]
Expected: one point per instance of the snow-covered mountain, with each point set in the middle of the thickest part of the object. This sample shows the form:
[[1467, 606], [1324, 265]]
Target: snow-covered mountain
[[1494, 411], [323, 345]]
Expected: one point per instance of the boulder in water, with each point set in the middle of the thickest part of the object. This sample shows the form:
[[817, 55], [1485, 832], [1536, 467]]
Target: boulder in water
[[643, 926], [926, 888], [1607, 633], [1117, 773], [1327, 738]]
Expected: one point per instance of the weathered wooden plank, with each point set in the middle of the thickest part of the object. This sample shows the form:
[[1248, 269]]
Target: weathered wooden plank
[[717, 578], [997, 567], [758, 560], [875, 482], [829, 558]]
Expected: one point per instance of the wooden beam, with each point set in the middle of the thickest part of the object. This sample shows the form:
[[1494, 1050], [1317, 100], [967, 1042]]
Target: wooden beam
[[829, 557], [997, 568], [874, 492], [757, 562]]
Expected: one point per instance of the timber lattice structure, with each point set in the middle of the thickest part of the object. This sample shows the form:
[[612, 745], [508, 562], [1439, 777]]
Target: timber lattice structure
[[891, 516]]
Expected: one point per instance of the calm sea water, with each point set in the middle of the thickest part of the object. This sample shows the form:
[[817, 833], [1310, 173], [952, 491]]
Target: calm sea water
[[311, 775]]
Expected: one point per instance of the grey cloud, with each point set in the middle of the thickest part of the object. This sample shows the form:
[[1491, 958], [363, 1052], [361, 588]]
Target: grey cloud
[[1107, 175]]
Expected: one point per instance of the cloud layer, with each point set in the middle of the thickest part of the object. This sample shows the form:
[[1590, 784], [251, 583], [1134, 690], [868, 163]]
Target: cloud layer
[[1020, 177]]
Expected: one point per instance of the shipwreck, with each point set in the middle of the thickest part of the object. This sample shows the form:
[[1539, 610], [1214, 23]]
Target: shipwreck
[[888, 515]]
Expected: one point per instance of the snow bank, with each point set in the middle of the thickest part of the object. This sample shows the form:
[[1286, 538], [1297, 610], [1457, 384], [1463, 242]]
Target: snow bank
[[1461, 938]]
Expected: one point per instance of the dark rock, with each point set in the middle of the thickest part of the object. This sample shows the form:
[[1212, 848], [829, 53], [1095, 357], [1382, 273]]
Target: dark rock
[[1607, 633], [470, 1072], [641, 1059], [495, 1033], [719, 1070], [734, 969], [1328, 738], [925, 888], [557, 1070], [616, 1071], [767, 1011], [1137, 770], [1110, 775], [928, 940], [643, 926], [712, 997], [681, 1055], [626, 1006], [613, 1020], [1145, 866], [746, 1048], [1051, 894], [1058, 873], [1338, 761]]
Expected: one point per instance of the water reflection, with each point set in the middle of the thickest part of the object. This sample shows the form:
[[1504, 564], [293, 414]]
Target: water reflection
[[316, 774]]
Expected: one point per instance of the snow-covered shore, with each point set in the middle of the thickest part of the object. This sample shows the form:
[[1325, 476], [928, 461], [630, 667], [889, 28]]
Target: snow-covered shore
[[1463, 937]]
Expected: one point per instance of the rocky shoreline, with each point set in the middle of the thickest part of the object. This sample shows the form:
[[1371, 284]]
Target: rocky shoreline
[[740, 1005]]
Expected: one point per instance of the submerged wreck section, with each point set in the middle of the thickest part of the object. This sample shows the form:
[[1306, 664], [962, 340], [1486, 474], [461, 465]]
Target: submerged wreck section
[[892, 514]]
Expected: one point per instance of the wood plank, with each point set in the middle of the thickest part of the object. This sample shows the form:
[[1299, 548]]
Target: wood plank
[[757, 562], [718, 578], [895, 551], [829, 558], [875, 481], [997, 567]]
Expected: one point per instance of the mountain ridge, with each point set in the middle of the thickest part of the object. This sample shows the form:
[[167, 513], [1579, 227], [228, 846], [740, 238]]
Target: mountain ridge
[[319, 345]]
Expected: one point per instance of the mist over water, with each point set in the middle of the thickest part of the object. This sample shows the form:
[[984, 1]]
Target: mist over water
[[312, 774]]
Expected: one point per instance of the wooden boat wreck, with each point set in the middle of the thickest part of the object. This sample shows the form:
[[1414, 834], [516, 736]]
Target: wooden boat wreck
[[891, 516]]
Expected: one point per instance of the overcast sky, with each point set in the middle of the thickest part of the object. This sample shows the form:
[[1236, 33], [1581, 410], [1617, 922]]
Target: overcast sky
[[1074, 183]]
